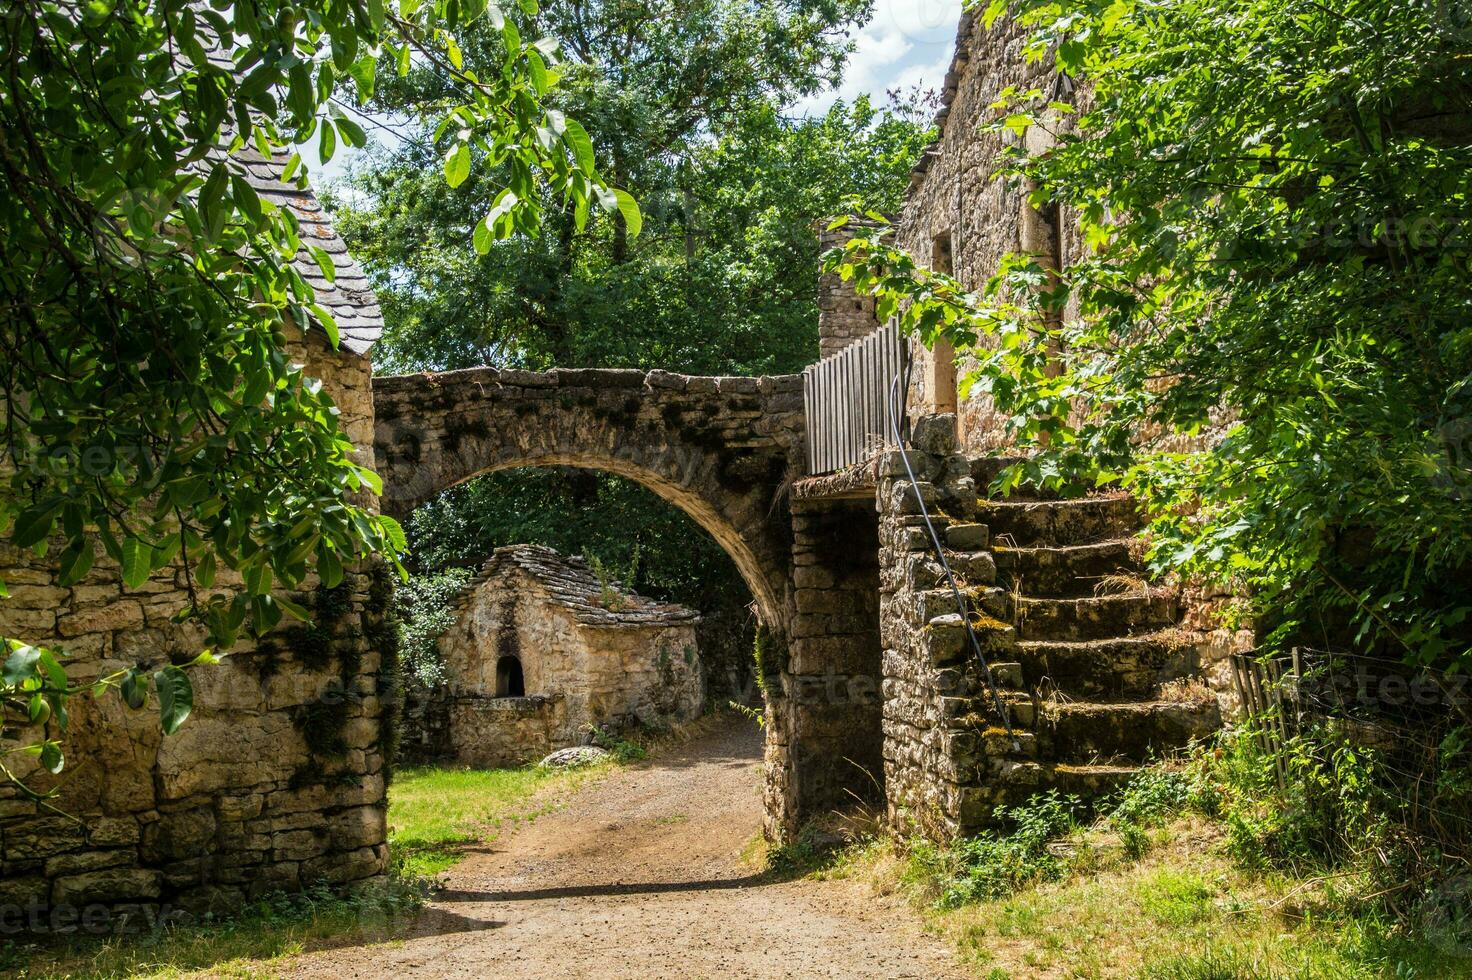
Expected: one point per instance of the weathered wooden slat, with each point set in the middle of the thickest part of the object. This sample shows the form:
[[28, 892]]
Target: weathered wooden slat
[[847, 398]]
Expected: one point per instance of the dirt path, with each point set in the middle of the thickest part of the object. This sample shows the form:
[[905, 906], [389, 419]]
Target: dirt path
[[640, 876]]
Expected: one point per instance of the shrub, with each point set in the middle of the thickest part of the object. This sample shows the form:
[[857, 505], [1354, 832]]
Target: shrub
[[423, 608]]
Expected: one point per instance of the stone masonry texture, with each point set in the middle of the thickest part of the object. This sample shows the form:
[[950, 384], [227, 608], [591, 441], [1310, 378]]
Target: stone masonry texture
[[251, 795]]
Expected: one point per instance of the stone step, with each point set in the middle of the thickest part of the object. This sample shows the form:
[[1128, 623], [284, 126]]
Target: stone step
[[1090, 781], [1072, 571], [1059, 523], [1018, 780], [1136, 731], [1093, 618], [1121, 667]]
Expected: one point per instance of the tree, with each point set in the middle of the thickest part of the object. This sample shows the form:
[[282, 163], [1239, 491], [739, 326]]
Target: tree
[[662, 82], [148, 290], [687, 100], [1277, 198]]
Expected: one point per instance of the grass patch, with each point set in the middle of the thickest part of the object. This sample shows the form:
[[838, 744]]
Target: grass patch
[[1162, 881], [1185, 911], [435, 815]]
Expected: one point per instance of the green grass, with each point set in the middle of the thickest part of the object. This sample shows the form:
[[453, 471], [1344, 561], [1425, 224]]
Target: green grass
[[1186, 910], [434, 814], [245, 945]]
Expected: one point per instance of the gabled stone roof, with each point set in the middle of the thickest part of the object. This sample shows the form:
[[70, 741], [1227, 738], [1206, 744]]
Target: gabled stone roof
[[570, 583], [350, 297]]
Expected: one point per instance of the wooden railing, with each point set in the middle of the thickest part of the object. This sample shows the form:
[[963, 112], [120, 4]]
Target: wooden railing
[[848, 398]]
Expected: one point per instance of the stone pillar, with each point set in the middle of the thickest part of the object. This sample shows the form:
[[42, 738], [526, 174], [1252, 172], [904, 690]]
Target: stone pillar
[[823, 704], [844, 316]]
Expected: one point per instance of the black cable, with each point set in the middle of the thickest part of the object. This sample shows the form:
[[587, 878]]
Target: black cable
[[896, 412]]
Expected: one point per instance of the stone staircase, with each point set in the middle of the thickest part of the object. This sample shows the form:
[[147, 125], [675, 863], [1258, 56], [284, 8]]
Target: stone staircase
[[1085, 650], [1087, 655]]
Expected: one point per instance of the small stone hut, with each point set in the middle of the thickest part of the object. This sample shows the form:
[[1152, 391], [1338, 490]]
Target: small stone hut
[[542, 650]]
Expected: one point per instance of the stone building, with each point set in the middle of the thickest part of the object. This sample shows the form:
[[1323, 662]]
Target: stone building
[[542, 651], [1091, 667], [277, 780]]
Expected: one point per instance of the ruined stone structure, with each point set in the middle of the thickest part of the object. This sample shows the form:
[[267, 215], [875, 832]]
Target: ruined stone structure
[[277, 779], [542, 651]]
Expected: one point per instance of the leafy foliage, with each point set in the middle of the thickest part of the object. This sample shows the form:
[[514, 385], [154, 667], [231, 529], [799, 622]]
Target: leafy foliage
[[1266, 332], [423, 609], [153, 410]]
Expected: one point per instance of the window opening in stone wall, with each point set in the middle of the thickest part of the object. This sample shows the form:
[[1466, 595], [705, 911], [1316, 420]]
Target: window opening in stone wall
[[510, 683]]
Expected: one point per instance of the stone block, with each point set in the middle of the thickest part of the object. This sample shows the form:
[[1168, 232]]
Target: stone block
[[179, 835], [122, 615], [41, 837], [934, 434], [337, 869], [112, 885], [968, 537]]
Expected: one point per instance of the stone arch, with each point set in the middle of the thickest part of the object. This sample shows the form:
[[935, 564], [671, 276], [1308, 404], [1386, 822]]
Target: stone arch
[[720, 449]]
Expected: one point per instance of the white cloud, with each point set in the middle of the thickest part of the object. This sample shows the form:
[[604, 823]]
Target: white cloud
[[908, 42]]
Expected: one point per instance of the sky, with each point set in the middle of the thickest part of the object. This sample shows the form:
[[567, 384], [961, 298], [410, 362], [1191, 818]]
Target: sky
[[907, 43]]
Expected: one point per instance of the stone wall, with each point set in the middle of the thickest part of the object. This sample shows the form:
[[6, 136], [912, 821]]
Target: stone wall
[[497, 733], [956, 208], [945, 752], [825, 714], [844, 314], [720, 449], [277, 779]]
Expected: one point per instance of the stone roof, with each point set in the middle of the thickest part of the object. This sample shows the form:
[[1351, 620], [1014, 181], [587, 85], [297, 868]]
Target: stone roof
[[350, 297], [570, 583]]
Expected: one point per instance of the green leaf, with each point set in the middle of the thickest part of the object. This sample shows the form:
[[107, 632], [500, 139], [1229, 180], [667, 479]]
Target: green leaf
[[175, 697], [21, 666], [137, 562], [52, 758], [329, 566], [33, 524], [577, 140], [328, 144], [324, 262], [629, 208], [457, 165], [352, 133], [134, 689], [76, 562]]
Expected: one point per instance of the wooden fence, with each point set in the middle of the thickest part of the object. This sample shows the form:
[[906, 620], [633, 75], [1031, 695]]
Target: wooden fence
[[848, 400]]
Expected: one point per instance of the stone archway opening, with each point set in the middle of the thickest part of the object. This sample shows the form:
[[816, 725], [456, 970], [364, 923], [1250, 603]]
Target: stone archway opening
[[726, 452]]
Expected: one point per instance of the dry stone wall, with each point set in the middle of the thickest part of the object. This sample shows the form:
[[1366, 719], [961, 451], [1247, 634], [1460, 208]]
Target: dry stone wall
[[826, 717], [721, 449], [947, 757], [844, 314], [276, 781]]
